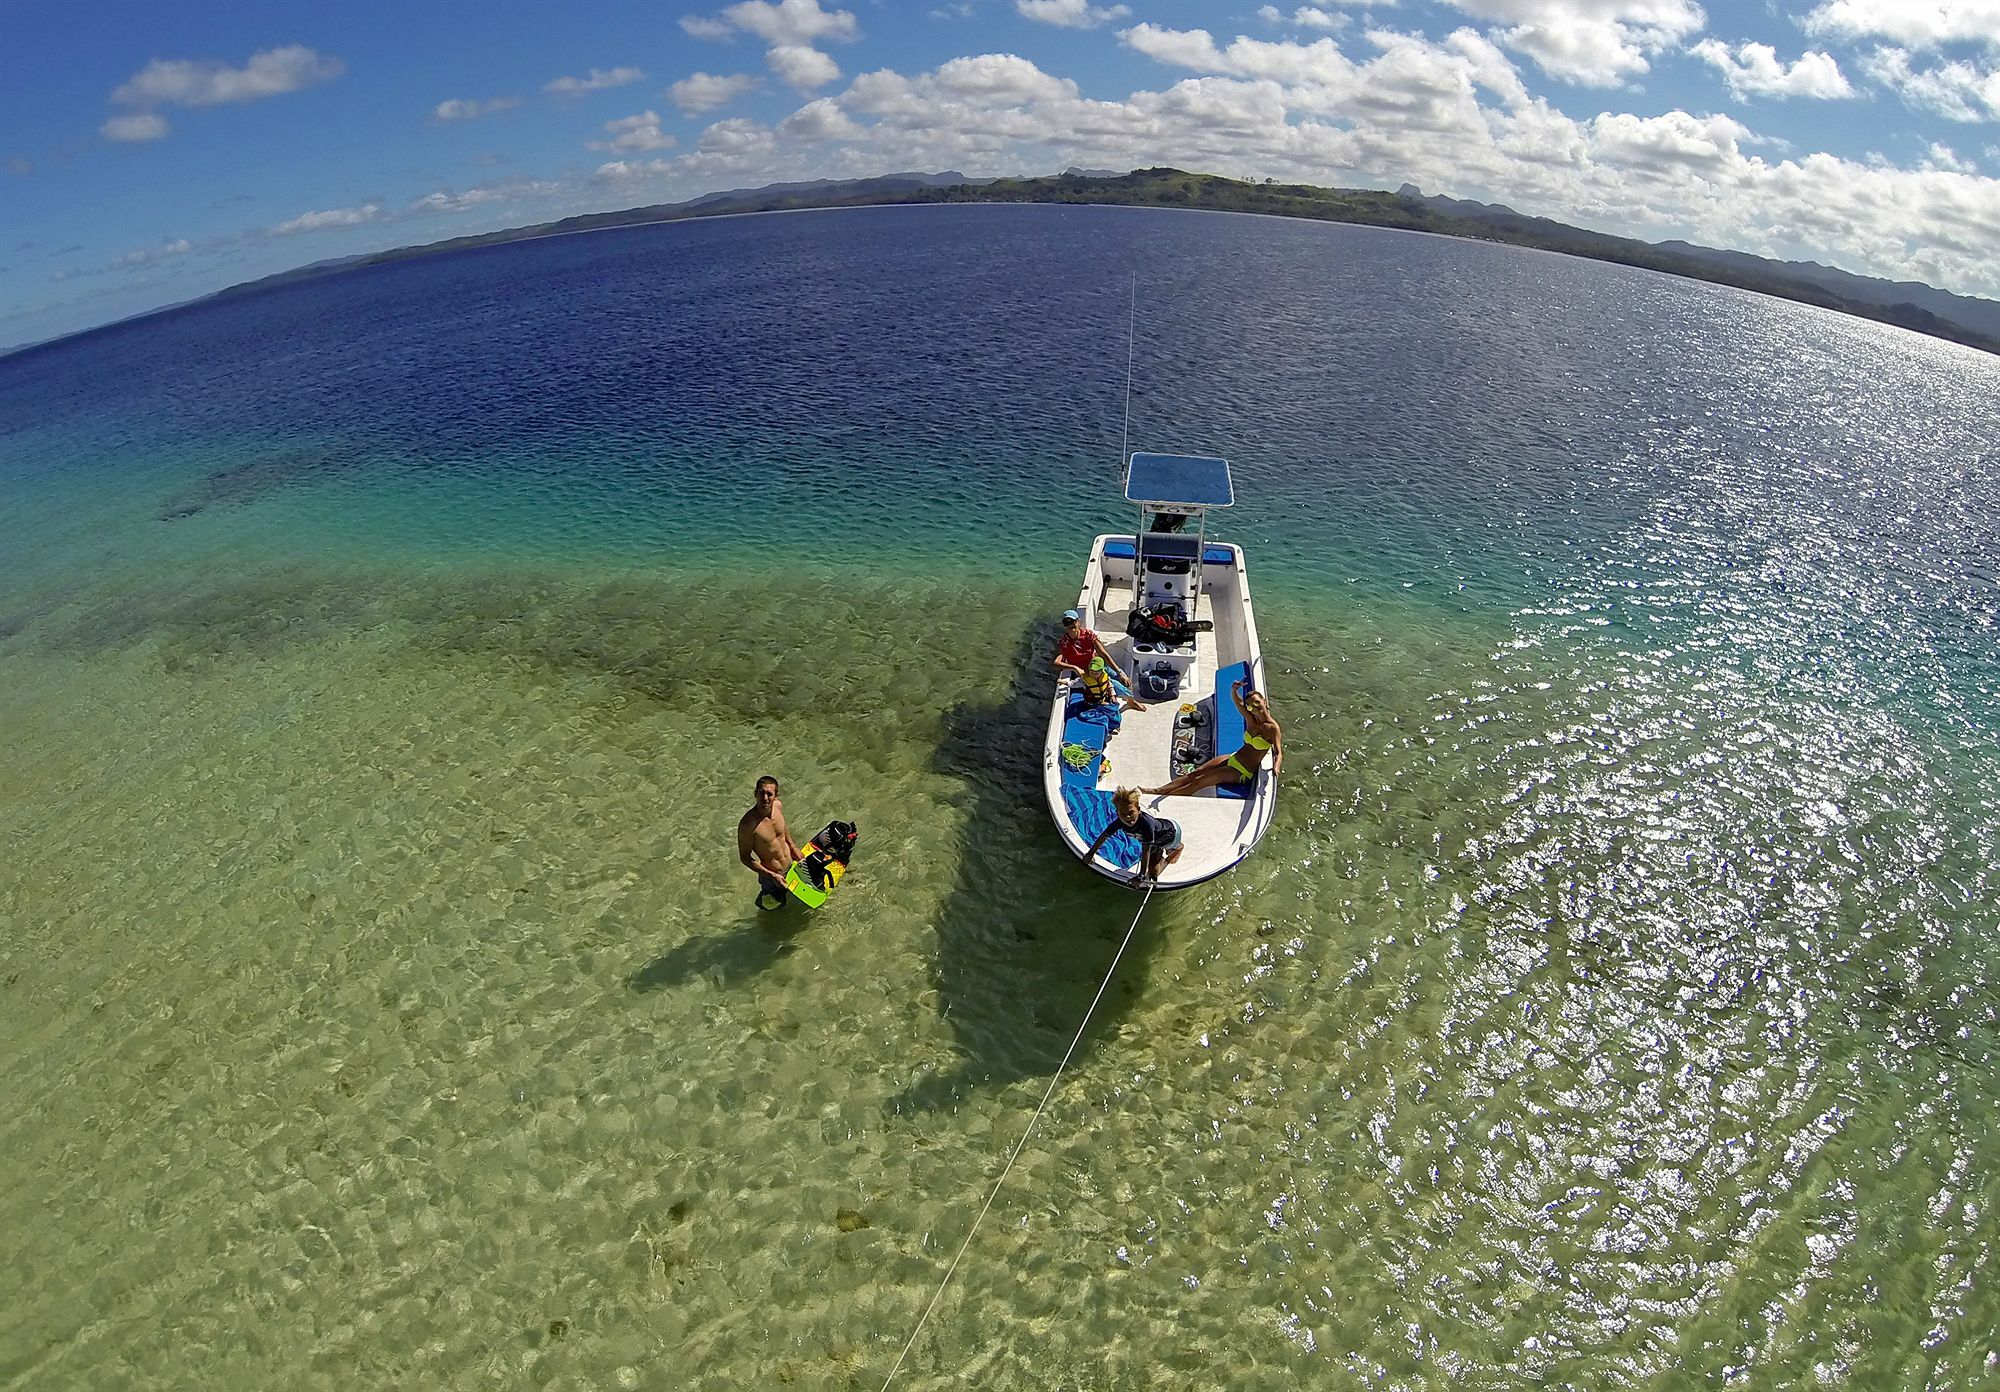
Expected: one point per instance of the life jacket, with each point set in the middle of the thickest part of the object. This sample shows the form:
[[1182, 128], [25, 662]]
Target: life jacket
[[1097, 681]]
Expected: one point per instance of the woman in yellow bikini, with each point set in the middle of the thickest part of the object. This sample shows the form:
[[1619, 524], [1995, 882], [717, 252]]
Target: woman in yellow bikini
[[1261, 735]]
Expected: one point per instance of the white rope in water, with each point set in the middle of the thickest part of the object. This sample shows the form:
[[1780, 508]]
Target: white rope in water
[[1102, 986]]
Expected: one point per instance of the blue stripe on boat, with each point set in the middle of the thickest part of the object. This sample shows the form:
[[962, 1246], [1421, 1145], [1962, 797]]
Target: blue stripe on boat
[[1229, 725], [1127, 551]]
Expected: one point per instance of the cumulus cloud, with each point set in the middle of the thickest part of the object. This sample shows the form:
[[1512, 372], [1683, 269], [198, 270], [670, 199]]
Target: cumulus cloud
[[791, 28], [1304, 17], [786, 22], [1673, 146], [1593, 43], [1070, 14], [458, 109], [702, 91], [1919, 24], [1320, 62], [739, 135], [332, 217], [819, 120], [598, 80], [199, 82], [1958, 91], [1754, 70], [804, 68], [1450, 114], [134, 129], [1002, 78], [634, 133], [1945, 158]]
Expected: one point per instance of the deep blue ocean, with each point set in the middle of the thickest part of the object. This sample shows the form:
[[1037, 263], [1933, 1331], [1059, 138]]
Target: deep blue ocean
[[385, 658]]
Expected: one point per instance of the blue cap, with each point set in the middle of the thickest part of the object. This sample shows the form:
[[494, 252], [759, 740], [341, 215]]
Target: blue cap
[[1071, 614]]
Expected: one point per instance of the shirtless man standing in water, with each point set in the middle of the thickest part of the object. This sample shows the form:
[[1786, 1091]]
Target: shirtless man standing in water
[[765, 843]]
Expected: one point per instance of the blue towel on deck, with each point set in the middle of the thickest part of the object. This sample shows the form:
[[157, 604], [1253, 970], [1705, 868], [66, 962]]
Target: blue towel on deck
[[1090, 812], [1106, 715]]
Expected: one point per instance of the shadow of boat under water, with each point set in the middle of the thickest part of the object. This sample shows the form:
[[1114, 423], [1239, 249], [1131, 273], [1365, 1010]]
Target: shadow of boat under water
[[1026, 933]]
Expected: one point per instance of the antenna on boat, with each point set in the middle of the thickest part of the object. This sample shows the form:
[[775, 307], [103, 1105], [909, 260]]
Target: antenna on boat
[[1131, 324]]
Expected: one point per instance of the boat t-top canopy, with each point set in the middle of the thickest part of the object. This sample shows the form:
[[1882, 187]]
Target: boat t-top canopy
[[1179, 482]]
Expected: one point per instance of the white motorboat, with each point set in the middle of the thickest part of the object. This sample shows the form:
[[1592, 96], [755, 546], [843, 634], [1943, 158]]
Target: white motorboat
[[1173, 607]]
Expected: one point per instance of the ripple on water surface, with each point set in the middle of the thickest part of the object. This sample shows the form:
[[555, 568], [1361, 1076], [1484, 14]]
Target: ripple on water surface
[[1610, 1003]]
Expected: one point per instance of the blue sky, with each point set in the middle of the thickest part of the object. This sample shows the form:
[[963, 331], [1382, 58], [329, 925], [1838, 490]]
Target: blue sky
[[151, 153]]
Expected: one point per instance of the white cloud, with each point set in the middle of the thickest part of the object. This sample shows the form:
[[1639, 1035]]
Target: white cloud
[[458, 109], [1958, 91], [444, 202], [702, 91], [1919, 24], [134, 129], [1450, 115], [1594, 43], [1754, 70], [699, 27], [787, 22], [465, 200], [1945, 158], [634, 133], [737, 136], [1319, 62], [622, 170], [1673, 146], [1001, 78], [819, 120], [332, 217], [1070, 14], [1310, 16], [193, 82], [146, 256], [599, 80], [804, 68]]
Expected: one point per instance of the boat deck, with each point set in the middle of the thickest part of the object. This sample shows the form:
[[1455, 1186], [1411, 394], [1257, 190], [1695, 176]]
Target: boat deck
[[1142, 752], [1218, 831]]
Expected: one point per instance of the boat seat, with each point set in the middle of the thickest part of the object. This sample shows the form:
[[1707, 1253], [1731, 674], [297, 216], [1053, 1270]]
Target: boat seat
[[1126, 551], [1090, 735], [1090, 812], [1229, 726]]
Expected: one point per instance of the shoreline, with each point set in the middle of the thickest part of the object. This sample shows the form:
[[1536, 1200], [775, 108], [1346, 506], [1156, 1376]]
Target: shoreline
[[1160, 188]]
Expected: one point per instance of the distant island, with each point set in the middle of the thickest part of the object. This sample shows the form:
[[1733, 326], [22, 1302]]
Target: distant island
[[1907, 304]]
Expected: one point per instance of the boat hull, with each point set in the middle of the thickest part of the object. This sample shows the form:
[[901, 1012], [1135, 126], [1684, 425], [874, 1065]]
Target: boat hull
[[1082, 767]]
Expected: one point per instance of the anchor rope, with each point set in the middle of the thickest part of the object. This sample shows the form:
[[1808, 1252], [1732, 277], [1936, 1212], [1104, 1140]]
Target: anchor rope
[[1021, 1144]]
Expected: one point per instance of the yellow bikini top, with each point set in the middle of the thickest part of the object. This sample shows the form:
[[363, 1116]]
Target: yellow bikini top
[[1251, 741]]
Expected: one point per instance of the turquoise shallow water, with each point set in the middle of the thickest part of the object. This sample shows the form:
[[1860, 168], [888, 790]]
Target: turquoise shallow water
[[383, 663]]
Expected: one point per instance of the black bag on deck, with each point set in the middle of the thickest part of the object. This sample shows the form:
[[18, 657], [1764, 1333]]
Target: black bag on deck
[[1159, 623]]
